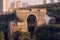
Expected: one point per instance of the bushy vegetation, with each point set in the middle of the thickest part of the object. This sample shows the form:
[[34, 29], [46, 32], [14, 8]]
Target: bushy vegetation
[[3, 29], [48, 32], [24, 36], [1, 35], [48, 6]]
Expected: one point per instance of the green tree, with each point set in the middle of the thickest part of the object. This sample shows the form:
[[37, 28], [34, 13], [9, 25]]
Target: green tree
[[1, 35]]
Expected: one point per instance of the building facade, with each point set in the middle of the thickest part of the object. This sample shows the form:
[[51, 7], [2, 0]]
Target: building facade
[[24, 4], [52, 1], [15, 4], [44, 2], [58, 0], [3, 6], [10, 10]]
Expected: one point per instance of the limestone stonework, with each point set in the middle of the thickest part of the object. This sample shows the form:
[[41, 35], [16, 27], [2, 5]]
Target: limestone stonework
[[23, 14]]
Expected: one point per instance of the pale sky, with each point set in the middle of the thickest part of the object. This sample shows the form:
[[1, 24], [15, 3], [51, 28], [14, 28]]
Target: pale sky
[[33, 2]]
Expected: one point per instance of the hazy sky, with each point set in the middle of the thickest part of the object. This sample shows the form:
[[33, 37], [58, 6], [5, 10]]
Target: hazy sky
[[33, 2]]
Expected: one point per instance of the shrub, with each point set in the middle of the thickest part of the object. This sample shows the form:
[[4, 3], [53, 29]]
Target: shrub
[[47, 32]]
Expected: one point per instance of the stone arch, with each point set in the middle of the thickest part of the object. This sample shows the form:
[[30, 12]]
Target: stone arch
[[31, 22], [32, 14]]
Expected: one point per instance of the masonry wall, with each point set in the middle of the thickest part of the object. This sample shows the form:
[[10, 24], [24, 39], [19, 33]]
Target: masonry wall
[[22, 24], [23, 14]]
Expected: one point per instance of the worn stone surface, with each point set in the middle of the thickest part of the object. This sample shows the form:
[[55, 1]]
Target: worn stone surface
[[23, 14], [22, 24]]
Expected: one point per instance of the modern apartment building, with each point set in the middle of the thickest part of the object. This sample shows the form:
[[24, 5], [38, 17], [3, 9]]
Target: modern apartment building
[[44, 1]]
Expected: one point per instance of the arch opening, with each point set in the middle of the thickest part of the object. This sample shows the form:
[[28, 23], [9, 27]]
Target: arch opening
[[31, 22]]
